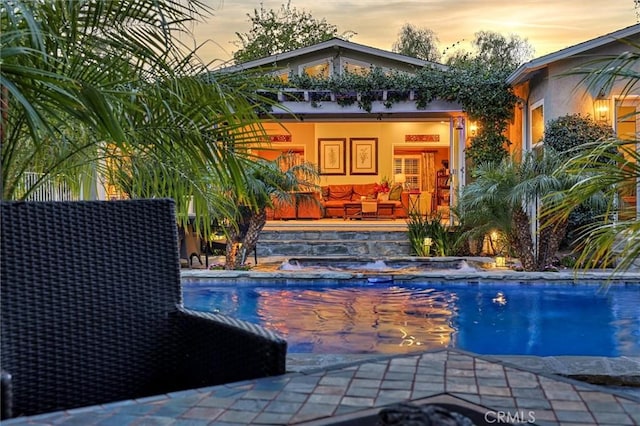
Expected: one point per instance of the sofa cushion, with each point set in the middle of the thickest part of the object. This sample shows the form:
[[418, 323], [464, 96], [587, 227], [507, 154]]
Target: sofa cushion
[[367, 190], [396, 193], [340, 192]]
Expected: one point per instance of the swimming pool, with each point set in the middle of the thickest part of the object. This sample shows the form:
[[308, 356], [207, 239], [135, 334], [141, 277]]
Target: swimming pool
[[486, 318]]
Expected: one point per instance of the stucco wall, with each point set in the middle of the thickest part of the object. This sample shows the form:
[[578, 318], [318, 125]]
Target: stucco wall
[[564, 93]]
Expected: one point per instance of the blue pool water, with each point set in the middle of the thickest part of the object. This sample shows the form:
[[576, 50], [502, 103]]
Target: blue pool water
[[506, 318]]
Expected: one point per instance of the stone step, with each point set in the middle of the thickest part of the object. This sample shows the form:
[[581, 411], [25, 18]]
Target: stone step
[[328, 235], [333, 248], [333, 243]]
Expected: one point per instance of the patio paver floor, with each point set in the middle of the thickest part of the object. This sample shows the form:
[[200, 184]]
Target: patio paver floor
[[330, 391]]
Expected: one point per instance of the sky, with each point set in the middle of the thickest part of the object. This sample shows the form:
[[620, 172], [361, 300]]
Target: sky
[[548, 25]]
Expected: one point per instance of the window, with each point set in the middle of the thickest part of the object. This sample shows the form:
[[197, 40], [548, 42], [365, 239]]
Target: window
[[282, 76], [410, 166], [317, 69], [355, 67], [627, 123], [537, 123]]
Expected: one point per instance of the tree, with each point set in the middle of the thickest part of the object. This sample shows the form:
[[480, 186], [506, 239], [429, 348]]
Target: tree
[[500, 195], [419, 43], [87, 87], [280, 31], [611, 238], [269, 185], [494, 52]]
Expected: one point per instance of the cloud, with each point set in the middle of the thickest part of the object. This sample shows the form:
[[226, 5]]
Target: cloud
[[549, 25]]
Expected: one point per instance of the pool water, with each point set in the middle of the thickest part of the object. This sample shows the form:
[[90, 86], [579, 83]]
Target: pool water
[[506, 318]]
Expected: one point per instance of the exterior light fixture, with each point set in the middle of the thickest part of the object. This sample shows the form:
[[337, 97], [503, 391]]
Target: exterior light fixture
[[473, 128], [601, 109], [458, 122], [427, 243], [501, 261]]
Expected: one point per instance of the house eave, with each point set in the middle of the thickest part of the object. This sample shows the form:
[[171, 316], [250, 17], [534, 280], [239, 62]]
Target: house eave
[[334, 43], [528, 70]]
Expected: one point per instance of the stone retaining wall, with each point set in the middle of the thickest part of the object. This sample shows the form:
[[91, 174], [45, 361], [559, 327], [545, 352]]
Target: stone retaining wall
[[333, 243]]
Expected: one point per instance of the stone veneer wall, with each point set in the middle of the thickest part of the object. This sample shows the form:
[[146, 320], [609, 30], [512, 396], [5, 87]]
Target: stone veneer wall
[[334, 243]]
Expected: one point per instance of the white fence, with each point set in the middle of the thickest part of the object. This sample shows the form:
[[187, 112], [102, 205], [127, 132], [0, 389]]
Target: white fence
[[49, 189]]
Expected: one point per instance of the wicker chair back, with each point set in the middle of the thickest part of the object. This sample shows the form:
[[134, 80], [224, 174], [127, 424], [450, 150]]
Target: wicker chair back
[[91, 307]]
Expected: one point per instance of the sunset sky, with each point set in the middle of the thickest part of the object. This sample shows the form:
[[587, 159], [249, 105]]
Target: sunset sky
[[549, 25]]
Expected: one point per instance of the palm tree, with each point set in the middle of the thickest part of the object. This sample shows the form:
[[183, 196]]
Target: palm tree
[[501, 197], [608, 167], [269, 185], [89, 85]]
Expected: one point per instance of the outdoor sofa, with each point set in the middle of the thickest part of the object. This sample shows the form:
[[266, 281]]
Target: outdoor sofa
[[91, 307]]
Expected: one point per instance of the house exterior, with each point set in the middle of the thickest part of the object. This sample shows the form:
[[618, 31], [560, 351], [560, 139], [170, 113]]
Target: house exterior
[[548, 90], [357, 145]]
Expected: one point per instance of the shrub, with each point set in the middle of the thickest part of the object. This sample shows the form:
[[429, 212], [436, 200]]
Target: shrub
[[573, 130], [566, 135], [445, 239]]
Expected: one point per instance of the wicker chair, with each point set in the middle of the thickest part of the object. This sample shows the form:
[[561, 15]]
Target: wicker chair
[[92, 310]]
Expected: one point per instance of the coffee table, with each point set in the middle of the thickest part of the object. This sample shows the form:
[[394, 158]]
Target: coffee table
[[350, 207]]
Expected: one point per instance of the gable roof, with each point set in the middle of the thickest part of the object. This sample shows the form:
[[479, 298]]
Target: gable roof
[[333, 43], [527, 70]]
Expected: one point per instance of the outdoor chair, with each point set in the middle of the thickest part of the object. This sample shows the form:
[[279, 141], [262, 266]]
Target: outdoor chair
[[91, 308]]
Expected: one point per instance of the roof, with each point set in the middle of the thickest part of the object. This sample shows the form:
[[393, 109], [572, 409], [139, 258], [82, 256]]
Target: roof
[[526, 71], [333, 43]]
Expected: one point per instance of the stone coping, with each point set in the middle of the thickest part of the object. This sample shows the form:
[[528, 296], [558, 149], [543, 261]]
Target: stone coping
[[268, 269]]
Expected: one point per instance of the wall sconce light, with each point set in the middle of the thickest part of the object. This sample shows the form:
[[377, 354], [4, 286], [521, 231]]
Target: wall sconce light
[[458, 123], [601, 109], [473, 128], [501, 261]]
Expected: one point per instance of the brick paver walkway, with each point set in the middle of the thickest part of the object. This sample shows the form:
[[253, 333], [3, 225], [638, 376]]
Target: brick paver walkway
[[342, 390]]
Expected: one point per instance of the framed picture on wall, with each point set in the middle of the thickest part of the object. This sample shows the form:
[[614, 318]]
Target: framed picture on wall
[[364, 156], [332, 156]]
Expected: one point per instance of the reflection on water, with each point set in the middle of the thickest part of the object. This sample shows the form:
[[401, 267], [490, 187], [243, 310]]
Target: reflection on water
[[483, 318], [378, 320]]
